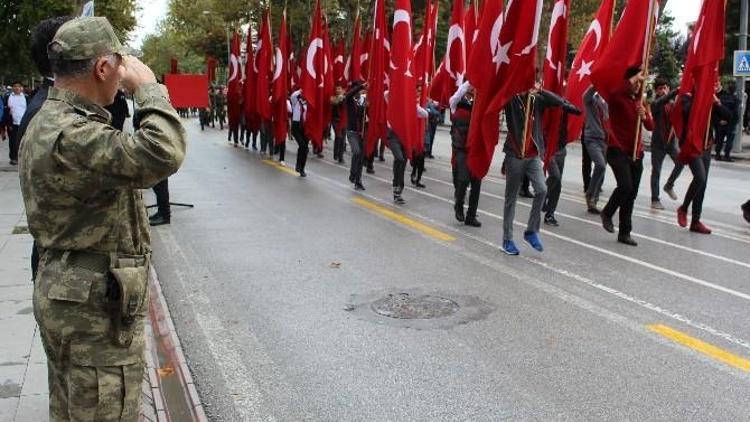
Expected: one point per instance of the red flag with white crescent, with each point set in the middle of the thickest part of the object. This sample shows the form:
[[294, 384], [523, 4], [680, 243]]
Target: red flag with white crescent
[[313, 80], [377, 62], [451, 72], [553, 74], [627, 47], [701, 74], [252, 119], [353, 68], [509, 58], [280, 83], [402, 107], [264, 64], [234, 86], [471, 28], [579, 79]]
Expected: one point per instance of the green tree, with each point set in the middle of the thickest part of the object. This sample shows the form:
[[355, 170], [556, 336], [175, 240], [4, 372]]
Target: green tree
[[18, 18], [664, 62]]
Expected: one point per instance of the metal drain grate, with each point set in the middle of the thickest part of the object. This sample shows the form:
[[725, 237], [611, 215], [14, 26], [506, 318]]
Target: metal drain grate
[[407, 306]]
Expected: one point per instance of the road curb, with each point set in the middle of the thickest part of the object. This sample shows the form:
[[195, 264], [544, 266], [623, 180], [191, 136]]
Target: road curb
[[163, 329]]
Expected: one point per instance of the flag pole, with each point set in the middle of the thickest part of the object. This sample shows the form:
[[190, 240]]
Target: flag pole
[[529, 104], [708, 130], [645, 64]]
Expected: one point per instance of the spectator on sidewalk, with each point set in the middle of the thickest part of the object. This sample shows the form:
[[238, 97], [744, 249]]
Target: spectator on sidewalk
[[726, 130], [80, 180], [16, 104]]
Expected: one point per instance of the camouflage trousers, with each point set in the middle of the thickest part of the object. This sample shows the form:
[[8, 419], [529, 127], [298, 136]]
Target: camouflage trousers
[[90, 377]]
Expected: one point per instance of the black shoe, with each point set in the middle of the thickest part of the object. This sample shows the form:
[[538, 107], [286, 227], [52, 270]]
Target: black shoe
[[154, 216], [159, 220], [607, 223], [550, 220], [414, 179], [728, 159], [370, 170], [420, 185], [359, 186], [430, 156], [398, 200], [381, 158], [526, 194], [746, 211], [341, 161], [459, 209], [351, 179], [472, 221], [626, 239], [718, 157], [302, 173], [13, 162]]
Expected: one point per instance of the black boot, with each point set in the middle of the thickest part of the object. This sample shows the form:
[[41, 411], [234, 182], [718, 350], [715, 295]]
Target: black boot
[[471, 220], [459, 209]]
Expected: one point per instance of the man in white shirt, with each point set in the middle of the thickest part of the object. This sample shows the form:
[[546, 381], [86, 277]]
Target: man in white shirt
[[16, 109], [299, 111]]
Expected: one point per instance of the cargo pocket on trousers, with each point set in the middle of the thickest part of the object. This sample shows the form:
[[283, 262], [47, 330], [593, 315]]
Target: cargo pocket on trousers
[[74, 285]]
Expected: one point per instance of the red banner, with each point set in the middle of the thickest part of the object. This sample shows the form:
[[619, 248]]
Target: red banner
[[187, 90]]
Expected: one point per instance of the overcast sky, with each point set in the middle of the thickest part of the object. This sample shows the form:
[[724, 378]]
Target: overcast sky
[[152, 11], [684, 11]]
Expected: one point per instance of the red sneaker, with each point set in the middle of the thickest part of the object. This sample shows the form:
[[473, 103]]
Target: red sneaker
[[698, 227], [681, 217]]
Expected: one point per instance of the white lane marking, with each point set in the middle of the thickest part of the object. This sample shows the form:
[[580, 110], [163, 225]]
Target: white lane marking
[[565, 295], [642, 236], [648, 265], [244, 391], [731, 232]]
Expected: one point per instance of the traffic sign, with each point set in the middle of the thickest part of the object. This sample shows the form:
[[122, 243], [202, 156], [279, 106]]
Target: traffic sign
[[742, 63]]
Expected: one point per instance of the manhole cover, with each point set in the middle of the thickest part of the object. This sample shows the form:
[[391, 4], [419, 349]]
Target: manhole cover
[[406, 306]]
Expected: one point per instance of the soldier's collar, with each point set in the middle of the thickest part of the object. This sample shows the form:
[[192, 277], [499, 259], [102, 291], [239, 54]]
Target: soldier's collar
[[80, 103]]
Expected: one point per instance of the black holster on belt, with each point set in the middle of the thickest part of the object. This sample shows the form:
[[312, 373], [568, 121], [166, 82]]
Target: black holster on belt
[[127, 291]]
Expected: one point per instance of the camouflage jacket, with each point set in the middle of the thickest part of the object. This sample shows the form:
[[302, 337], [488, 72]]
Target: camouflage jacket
[[80, 177]]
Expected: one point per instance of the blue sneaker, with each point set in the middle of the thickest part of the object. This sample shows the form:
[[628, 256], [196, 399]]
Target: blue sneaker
[[509, 247], [533, 239]]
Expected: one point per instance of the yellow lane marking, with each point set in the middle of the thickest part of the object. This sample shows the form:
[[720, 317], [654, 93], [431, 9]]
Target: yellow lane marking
[[702, 347], [400, 218], [279, 167]]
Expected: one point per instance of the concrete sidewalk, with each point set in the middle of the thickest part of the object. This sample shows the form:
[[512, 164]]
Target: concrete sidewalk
[[23, 368]]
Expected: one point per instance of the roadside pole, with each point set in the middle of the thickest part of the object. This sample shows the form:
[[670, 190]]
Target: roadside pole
[[741, 79]]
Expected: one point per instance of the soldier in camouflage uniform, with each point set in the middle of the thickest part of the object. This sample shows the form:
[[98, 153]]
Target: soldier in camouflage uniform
[[80, 180]]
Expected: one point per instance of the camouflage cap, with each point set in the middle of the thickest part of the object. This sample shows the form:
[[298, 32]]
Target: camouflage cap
[[86, 38]]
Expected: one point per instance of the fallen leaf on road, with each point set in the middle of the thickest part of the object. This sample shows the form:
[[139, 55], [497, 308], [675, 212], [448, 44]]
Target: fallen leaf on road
[[334, 264], [165, 372]]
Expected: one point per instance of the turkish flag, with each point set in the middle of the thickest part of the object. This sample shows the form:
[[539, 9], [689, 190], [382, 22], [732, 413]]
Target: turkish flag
[[281, 86], [313, 80], [471, 28], [234, 86], [451, 73], [627, 48], [353, 69], [705, 51], [252, 119], [592, 46], [329, 82], [364, 59], [339, 64], [376, 107], [402, 107], [504, 65], [553, 72], [264, 63]]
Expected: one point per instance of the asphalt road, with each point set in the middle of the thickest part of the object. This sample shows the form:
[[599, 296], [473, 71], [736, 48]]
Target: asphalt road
[[272, 278]]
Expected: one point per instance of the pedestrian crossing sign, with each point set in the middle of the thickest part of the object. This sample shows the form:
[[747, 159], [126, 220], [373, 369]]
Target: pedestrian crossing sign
[[742, 63]]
